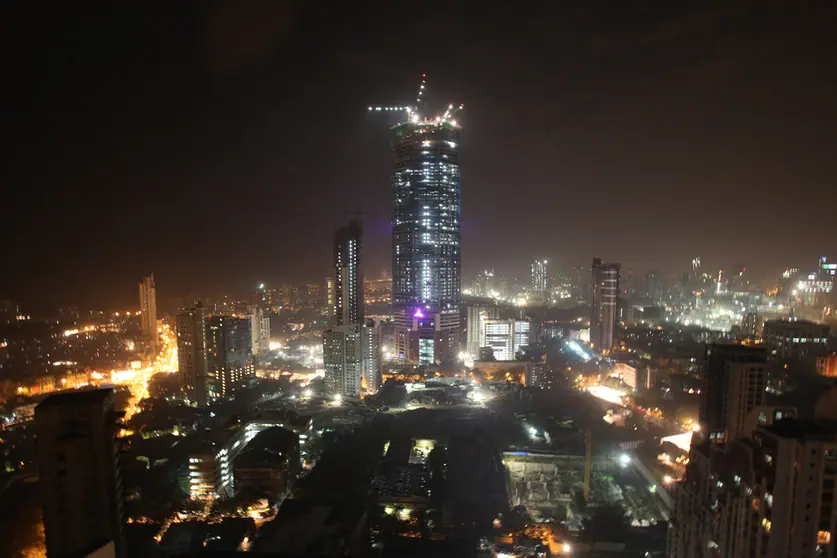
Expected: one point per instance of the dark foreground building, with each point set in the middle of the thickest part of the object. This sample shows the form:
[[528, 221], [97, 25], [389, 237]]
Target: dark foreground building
[[79, 473]]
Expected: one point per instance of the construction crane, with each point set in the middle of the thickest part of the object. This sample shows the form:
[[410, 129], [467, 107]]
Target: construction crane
[[413, 110]]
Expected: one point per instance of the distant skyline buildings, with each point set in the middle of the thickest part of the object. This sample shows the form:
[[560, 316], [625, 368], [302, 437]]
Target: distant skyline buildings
[[148, 309], [539, 275], [426, 239]]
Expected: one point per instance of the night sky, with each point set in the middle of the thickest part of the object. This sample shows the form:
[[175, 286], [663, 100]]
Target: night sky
[[219, 144]]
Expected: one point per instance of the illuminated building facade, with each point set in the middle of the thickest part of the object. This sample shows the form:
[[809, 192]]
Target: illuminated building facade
[[346, 293], [476, 316], [148, 309], [259, 329], [605, 289], [212, 461], [229, 352], [795, 339], [539, 276], [505, 337], [352, 358], [191, 353], [426, 253]]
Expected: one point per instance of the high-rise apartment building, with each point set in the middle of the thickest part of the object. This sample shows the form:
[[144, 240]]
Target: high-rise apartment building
[[229, 352], [331, 297], [79, 472], [191, 354], [605, 290], [426, 259], [259, 329], [352, 357], [505, 337], [148, 309], [769, 493], [735, 382], [539, 276], [475, 318], [347, 293]]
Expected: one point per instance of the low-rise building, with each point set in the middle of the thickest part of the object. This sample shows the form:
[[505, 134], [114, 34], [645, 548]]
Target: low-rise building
[[269, 464], [795, 339], [211, 465]]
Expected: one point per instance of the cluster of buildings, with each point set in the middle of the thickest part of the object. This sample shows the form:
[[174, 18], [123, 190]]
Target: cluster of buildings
[[215, 352], [352, 345], [490, 337], [262, 456], [760, 479], [426, 270]]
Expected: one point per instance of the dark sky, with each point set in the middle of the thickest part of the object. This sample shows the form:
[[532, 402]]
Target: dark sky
[[219, 143]]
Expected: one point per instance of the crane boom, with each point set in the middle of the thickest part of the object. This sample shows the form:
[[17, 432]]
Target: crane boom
[[413, 110]]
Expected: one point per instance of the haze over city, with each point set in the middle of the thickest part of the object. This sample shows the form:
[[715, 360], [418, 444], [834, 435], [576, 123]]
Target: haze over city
[[649, 135]]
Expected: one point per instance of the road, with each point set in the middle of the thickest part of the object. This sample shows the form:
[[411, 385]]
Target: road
[[165, 361]]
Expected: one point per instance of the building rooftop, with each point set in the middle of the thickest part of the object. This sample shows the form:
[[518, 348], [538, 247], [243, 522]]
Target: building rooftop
[[309, 528], [802, 429], [794, 324], [268, 447], [76, 398]]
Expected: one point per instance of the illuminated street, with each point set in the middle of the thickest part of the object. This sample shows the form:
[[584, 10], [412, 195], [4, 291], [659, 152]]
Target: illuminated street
[[137, 380]]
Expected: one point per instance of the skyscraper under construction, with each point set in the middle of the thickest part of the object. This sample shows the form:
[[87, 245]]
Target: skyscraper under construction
[[426, 254]]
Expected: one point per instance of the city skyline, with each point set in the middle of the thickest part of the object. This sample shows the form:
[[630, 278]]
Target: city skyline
[[671, 170], [477, 278]]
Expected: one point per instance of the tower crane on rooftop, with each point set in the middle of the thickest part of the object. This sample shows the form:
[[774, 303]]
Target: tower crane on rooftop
[[413, 110]]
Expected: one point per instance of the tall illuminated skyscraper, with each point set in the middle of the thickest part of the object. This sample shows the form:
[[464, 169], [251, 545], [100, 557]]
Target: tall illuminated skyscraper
[[605, 283], [346, 295], [148, 309], [426, 257], [539, 276]]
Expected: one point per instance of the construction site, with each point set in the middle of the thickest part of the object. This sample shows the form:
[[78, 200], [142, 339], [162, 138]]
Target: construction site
[[553, 486]]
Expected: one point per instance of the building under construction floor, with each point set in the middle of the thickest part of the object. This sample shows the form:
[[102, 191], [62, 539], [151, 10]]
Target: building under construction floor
[[545, 482]]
